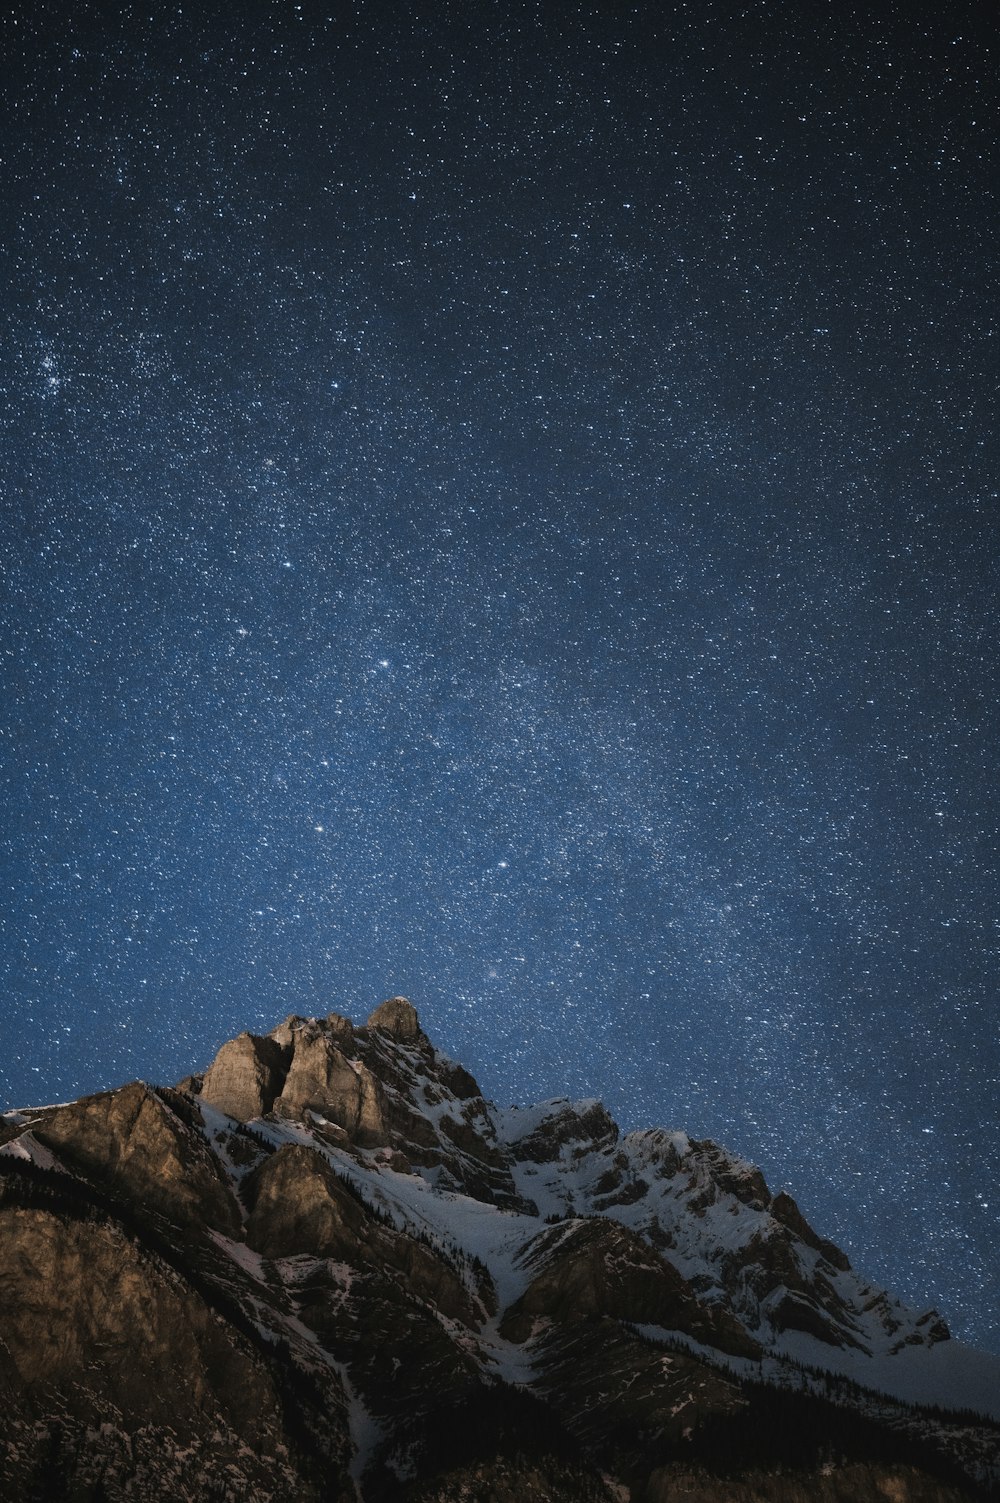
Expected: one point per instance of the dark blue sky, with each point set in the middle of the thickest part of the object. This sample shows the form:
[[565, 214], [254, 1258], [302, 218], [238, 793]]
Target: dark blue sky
[[500, 505]]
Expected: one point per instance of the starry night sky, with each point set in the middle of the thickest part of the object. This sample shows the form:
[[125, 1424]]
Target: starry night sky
[[500, 506]]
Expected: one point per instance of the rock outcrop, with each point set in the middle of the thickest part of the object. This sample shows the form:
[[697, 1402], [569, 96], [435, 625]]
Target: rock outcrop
[[323, 1080], [542, 1133], [398, 1018], [246, 1076], [593, 1267], [133, 1142], [121, 1381]]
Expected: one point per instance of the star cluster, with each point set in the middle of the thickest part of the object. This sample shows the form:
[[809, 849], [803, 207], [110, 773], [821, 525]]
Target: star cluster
[[500, 506]]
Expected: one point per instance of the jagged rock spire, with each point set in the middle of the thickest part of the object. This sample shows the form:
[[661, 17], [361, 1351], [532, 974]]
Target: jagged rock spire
[[398, 1017]]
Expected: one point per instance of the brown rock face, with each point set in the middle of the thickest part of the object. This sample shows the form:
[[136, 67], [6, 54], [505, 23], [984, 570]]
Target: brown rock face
[[322, 1079], [300, 1206], [245, 1077], [341, 1028], [397, 1017], [70, 1288], [117, 1371], [134, 1141], [285, 1032], [598, 1267]]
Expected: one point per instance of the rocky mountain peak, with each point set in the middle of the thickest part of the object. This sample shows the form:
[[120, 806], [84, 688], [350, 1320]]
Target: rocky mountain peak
[[543, 1132], [398, 1017], [331, 1262]]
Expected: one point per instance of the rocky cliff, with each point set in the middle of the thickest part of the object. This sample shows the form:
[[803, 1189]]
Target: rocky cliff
[[329, 1269]]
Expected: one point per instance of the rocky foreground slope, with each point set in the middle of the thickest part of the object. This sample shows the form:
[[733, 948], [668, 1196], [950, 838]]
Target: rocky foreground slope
[[329, 1269]]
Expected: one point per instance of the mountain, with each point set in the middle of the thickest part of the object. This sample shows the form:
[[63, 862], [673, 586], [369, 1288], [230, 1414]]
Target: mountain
[[328, 1269]]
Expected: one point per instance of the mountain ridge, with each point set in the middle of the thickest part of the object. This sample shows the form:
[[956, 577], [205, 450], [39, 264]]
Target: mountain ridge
[[383, 1247]]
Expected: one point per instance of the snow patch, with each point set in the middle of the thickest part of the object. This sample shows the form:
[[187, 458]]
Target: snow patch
[[28, 1148]]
